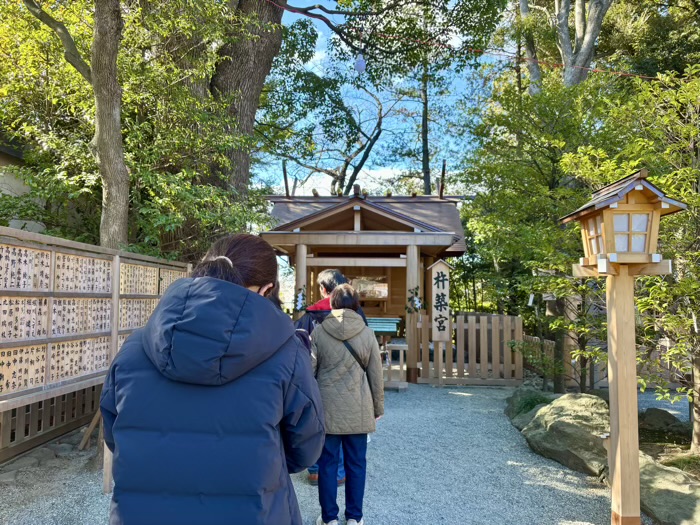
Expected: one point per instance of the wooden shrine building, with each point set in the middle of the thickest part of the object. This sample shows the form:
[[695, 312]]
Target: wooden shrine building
[[382, 244]]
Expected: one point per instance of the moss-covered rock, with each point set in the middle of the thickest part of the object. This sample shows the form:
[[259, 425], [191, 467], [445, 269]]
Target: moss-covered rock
[[568, 431]]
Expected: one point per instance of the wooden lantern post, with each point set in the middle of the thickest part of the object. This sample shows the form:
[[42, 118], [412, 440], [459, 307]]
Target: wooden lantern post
[[620, 229], [440, 312]]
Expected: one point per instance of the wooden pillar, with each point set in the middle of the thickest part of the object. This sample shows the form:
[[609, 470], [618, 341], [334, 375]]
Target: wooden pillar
[[623, 451], [300, 271], [412, 281]]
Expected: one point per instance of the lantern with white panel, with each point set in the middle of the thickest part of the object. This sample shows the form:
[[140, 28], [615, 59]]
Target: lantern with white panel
[[620, 225], [620, 232]]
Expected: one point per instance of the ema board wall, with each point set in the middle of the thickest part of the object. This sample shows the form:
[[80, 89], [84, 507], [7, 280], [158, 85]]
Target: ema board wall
[[65, 310]]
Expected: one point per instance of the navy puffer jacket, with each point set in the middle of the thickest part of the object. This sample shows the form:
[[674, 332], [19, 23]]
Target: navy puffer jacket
[[208, 408]]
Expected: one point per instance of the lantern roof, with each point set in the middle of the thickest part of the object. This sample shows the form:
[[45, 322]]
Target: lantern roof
[[616, 192]]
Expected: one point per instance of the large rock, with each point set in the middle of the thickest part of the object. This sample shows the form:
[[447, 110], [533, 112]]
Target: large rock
[[568, 430], [669, 495], [522, 420], [657, 419], [602, 393], [524, 399]]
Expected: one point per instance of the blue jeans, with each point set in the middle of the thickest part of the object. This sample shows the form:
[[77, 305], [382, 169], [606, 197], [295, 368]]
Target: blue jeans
[[355, 448], [341, 467]]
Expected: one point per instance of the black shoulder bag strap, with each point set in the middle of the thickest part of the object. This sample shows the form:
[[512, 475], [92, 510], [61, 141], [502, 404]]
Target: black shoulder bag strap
[[359, 362]]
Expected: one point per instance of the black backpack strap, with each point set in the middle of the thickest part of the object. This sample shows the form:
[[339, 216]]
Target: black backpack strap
[[354, 354], [359, 362]]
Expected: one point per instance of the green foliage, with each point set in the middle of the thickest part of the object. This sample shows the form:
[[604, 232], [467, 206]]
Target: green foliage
[[521, 188], [659, 125], [651, 36], [528, 402], [176, 134]]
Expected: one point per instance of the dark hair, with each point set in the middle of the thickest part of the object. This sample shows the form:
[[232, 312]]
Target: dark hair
[[329, 279], [345, 296], [242, 259]]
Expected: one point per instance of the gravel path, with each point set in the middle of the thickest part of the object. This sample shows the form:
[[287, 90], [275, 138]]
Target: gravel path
[[440, 456]]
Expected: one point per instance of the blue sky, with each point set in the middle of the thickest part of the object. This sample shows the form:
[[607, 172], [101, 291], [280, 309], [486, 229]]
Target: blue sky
[[378, 168]]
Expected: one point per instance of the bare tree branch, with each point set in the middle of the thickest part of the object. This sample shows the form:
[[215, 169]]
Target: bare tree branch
[[563, 35], [531, 52], [580, 20], [71, 53]]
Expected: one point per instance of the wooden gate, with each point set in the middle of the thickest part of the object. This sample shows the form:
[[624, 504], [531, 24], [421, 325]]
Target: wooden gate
[[478, 354]]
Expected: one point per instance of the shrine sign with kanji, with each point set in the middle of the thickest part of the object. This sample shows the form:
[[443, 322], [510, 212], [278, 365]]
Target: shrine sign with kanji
[[440, 301]]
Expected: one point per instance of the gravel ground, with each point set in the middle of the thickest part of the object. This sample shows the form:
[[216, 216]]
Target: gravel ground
[[440, 456]]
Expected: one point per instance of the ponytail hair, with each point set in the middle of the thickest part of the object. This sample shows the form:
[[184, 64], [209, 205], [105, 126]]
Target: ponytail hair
[[242, 259]]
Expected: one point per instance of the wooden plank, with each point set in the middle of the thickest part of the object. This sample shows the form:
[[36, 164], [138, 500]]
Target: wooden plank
[[79, 400], [664, 267], [622, 372], [412, 281], [301, 284], [471, 323], [466, 381], [507, 351], [85, 442], [484, 346], [425, 344], [365, 262], [49, 241], [57, 295], [437, 358], [20, 423], [49, 340], [7, 453], [106, 465], [364, 238], [5, 429], [496, 347], [518, 355], [449, 369], [460, 346], [49, 321], [89, 400], [70, 407], [34, 414], [54, 391]]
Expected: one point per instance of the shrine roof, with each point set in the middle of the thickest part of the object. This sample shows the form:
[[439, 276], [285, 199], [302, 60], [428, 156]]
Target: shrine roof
[[430, 214]]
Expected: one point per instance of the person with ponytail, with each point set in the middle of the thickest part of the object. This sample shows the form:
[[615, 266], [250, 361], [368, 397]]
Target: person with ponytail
[[212, 404]]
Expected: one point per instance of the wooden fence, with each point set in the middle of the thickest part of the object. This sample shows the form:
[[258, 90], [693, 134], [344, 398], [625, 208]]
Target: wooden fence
[[597, 372], [66, 309], [478, 354]]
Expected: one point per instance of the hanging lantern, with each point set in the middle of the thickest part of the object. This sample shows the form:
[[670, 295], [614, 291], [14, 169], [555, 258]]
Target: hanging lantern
[[360, 64]]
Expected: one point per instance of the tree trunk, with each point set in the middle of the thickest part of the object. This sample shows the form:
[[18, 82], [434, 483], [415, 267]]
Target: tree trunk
[[425, 146], [583, 384], [695, 444], [240, 77], [588, 26], [533, 65], [108, 137], [556, 308]]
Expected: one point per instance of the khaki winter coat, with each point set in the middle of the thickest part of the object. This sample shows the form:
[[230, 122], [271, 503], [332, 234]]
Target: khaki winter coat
[[351, 399]]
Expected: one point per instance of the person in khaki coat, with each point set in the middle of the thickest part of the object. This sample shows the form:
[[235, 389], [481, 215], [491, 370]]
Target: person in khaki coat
[[348, 368]]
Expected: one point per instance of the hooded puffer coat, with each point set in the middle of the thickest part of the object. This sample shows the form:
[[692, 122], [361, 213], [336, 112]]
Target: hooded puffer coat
[[352, 399], [208, 408]]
